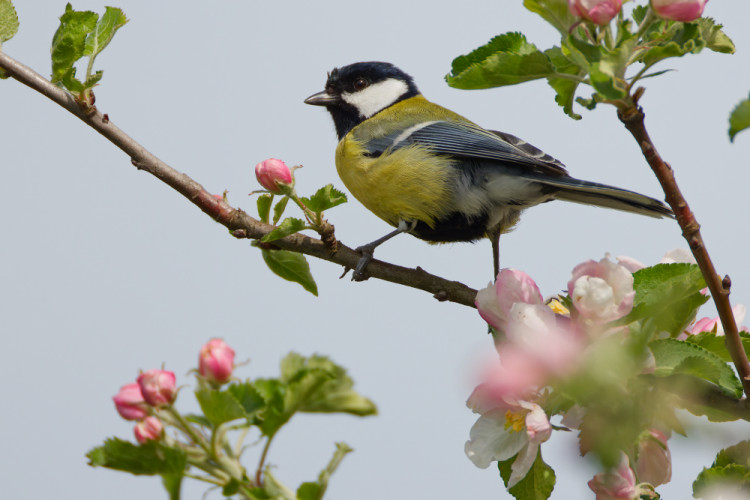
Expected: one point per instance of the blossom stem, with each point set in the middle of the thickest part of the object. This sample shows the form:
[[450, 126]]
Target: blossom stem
[[633, 118], [262, 461]]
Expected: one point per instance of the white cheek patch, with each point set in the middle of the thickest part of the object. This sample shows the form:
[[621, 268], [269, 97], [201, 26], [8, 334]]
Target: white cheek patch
[[376, 97]]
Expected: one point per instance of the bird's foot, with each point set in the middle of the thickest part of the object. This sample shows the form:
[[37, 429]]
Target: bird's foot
[[367, 252]]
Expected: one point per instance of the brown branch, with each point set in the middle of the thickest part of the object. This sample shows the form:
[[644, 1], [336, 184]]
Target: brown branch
[[634, 120], [240, 223]]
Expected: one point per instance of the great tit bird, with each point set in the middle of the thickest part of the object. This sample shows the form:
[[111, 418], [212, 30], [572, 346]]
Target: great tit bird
[[436, 175]]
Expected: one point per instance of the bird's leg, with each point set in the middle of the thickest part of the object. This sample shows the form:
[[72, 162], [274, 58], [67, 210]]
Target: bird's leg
[[368, 250], [494, 235]]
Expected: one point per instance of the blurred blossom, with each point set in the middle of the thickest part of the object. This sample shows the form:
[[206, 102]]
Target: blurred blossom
[[678, 256], [601, 291], [654, 462], [499, 435], [158, 387], [616, 484], [273, 175], [630, 263], [516, 377], [216, 361], [679, 10], [495, 301], [708, 324], [130, 403], [599, 12], [148, 429]]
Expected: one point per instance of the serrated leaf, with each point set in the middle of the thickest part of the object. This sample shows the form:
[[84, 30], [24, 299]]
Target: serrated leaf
[[605, 67], [147, 459], [247, 396], [93, 80], [739, 120], [555, 12], [8, 21], [288, 226], [716, 344], [668, 294], [219, 406], [324, 198], [730, 472], [279, 208], [70, 81], [264, 206], [69, 41], [506, 60], [565, 88], [112, 20], [272, 416], [538, 483], [291, 266], [714, 37], [678, 357]]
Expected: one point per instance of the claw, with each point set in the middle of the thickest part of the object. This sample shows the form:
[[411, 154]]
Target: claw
[[367, 252]]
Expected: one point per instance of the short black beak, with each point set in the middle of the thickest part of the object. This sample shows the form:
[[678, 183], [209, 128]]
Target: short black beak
[[322, 99]]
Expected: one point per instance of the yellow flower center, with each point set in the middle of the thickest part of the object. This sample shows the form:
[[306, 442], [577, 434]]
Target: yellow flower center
[[515, 420], [558, 307]]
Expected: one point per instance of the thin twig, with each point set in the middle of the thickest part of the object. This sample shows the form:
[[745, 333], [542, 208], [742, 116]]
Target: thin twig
[[634, 120], [240, 223]]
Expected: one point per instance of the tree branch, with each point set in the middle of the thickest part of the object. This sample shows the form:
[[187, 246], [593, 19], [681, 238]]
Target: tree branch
[[236, 220], [634, 120]]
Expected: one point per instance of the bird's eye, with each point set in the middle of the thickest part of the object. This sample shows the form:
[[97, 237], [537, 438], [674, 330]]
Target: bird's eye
[[360, 84]]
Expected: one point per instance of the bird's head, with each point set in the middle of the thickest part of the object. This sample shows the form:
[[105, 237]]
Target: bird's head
[[356, 92]]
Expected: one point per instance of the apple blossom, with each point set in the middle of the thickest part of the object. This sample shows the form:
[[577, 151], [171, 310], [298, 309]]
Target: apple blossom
[[599, 12], [129, 402], [158, 387], [499, 435], [708, 324], [679, 10], [216, 361], [616, 484], [495, 301], [601, 291], [273, 175], [654, 462], [148, 429]]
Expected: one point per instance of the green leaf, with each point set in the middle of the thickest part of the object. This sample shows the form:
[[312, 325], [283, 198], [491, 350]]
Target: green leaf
[[172, 483], [278, 210], [317, 384], [678, 357], [264, 206], [605, 67], [274, 488], [668, 294], [730, 472], [309, 491], [565, 88], [146, 459], [219, 406], [555, 12], [69, 41], [324, 198], [716, 344], [272, 416], [538, 483], [247, 396], [291, 266], [506, 60], [8, 21], [715, 39], [112, 20], [739, 120], [288, 226]]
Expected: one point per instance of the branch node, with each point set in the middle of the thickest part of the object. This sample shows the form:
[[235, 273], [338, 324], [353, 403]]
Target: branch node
[[726, 283], [239, 233], [442, 296]]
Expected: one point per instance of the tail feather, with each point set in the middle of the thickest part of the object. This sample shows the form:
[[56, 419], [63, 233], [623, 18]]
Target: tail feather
[[592, 193]]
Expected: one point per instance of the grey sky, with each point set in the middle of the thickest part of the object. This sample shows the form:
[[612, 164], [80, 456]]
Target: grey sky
[[105, 271]]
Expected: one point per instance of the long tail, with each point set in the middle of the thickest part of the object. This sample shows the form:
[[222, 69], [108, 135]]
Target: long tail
[[592, 193]]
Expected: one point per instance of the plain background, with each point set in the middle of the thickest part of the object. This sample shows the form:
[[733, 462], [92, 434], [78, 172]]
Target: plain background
[[105, 271]]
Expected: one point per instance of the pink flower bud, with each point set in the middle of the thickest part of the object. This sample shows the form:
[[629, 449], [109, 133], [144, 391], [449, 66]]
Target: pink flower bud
[[654, 462], [216, 361], [130, 403], [148, 429], [273, 175], [158, 387], [495, 302], [616, 484], [599, 12], [679, 10], [601, 291]]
